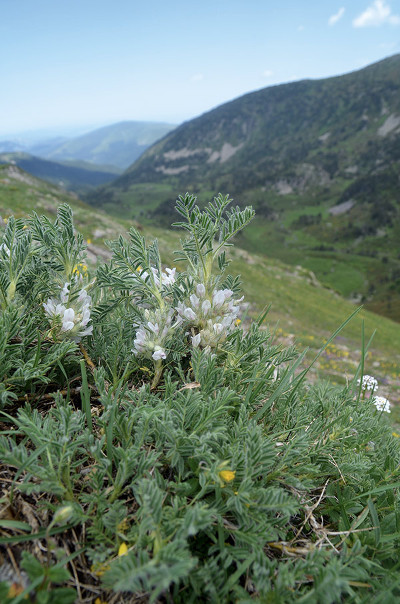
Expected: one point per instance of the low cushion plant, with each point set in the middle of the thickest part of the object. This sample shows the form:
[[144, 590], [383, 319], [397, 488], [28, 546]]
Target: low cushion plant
[[154, 450]]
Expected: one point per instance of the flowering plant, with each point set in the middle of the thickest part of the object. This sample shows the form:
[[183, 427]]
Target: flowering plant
[[159, 450]]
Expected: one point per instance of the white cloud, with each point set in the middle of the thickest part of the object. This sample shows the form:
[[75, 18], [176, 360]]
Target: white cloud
[[268, 73], [335, 18], [197, 77], [378, 13]]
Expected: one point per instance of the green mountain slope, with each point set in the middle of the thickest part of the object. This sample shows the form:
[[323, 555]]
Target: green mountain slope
[[302, 310], [118, 145], [319, 160], [75, 176], [20, 193]]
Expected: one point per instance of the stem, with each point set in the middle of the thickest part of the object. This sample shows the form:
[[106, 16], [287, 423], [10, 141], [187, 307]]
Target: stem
[[158, 369]]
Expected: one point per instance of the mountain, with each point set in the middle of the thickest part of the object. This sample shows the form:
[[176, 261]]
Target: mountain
[[319, 160], [11, 147], [118, 145], [75, 176]]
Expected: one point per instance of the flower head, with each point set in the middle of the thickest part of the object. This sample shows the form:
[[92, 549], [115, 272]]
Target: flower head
[[368, 383], [69, 319], [123, 549], [152, 335], [227, 475], [211, 316], [381, 403]]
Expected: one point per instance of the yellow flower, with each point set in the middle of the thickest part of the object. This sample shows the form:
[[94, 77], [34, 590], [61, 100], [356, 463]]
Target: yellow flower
[[238, 321], [80, 269], [88, 241], [99, 569], [123, 549], [123, 526], [395, 435], [227, 475], [98, 601]]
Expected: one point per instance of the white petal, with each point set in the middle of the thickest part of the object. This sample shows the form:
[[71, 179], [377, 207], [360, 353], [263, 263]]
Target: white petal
[[158, 354], [196, 340], [201, 290], [189, 314], [205, 307], [69, 315], [194, 301], [67, 326]]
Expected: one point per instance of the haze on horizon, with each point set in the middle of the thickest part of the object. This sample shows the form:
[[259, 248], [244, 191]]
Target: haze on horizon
[[67, 67]]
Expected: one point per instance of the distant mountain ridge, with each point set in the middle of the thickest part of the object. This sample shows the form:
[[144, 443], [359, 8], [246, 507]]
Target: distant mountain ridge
[[78, 177], [118, 144], [319, 160]]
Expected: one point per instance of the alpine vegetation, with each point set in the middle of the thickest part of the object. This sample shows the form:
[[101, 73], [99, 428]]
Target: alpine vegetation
[[154, 450]]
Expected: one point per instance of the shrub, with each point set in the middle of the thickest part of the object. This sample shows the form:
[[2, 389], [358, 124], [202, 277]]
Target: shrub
[[153, 448]]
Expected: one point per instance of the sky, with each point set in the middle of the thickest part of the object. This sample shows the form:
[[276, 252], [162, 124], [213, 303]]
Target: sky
[[68, 66]]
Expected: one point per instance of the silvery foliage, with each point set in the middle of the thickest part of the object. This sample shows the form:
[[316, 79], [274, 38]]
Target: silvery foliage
[[195, 305]]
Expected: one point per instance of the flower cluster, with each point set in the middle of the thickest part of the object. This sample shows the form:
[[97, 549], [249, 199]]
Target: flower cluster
[[152, 335], [381, 403], [69, 319], [368, 383], [210, 317]]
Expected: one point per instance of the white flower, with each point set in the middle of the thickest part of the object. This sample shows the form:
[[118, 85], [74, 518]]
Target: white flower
[[196, 340], [152, 335], [368, 383], [153, 327], [218, 328], [381, 403], [68, 319], [72, 321], [201, 290], [206, 307], [64, 293], [213, 318], [168, 277], [158, 353], [218, 298], [189, 314], [194, 301]]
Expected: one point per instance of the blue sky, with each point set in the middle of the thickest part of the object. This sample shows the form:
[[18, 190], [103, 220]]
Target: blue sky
[[85, 63]]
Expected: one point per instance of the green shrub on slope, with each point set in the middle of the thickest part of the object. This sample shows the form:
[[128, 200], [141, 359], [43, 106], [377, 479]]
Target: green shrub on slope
[[153, 448]]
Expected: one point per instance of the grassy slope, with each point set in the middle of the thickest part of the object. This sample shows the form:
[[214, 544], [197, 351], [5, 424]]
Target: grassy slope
[[301, 309]]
